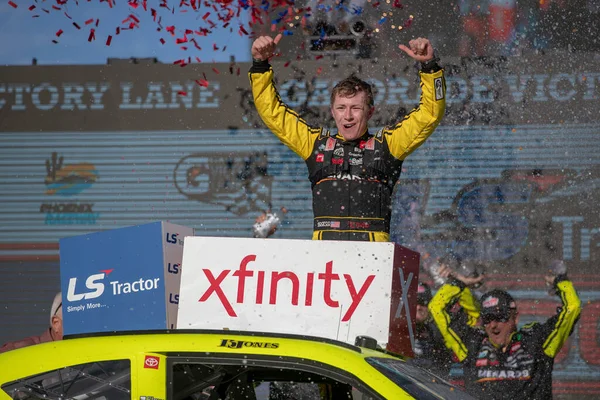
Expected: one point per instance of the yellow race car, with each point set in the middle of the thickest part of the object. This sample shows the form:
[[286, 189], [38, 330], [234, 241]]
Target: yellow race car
[[212, 365]]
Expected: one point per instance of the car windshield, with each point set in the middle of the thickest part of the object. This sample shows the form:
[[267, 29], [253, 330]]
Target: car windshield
[[418, 382], [97, 380]]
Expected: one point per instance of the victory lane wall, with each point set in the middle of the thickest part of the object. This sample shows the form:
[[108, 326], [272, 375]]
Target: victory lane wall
[[556, 88]]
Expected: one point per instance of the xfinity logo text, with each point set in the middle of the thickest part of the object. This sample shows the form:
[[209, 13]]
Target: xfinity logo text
[[267, 286]]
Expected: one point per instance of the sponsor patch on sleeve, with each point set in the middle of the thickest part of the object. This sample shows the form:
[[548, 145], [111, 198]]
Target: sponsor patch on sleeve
[[439, 88]]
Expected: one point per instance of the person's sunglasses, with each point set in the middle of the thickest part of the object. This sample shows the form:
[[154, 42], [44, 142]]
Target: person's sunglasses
[[486, 319]]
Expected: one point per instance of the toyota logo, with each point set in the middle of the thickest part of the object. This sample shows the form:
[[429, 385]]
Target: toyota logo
[[151, 362]]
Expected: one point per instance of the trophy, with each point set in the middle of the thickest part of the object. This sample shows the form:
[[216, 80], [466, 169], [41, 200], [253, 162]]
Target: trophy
[[267, 223]]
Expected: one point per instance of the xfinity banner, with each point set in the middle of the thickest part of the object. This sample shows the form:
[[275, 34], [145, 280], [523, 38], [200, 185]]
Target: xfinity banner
[[337, 290], [122, 279]]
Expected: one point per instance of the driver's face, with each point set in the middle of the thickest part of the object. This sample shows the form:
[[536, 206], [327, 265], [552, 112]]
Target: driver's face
[[351, 115]]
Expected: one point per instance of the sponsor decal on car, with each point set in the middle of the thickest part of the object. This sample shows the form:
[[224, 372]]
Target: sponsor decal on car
[[151, 362], [238, 344]]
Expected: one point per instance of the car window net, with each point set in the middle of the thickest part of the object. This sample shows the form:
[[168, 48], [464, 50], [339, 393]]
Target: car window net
[[105, 380]]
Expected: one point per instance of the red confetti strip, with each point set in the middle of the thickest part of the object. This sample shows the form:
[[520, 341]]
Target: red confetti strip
[[287, 64], [196, 44], [198, 59], [318, 57], [216, 70], [108, 40], [202, 82], [182, 93], [319, 70], [59, 32], [162, 41], [225, 11]]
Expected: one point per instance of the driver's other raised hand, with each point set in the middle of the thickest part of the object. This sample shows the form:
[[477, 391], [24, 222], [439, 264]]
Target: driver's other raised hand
[[263, 47]]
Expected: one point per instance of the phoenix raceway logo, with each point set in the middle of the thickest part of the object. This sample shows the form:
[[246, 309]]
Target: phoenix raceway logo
[[95, 286], [68, 181], [237, 181]]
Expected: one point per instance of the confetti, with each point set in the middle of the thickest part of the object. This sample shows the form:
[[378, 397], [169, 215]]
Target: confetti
[[59, 32], [202, 82], [284, 16]]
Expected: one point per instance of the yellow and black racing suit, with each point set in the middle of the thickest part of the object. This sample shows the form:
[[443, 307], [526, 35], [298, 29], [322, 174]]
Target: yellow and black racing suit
[[523, 368], [352, 181]]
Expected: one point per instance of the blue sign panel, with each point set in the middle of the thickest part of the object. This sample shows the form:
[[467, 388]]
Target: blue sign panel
[[114, 280]]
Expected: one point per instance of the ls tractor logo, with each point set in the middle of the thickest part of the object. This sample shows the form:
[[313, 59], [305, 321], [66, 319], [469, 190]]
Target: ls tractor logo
[[93, 284], [173, 238]]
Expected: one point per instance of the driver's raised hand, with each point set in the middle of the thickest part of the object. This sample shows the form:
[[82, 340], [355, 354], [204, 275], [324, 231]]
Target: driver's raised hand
[[263, 47], [419, 49]]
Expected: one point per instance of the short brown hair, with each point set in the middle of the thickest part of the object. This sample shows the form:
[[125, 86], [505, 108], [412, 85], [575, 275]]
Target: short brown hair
[[350, 87]]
